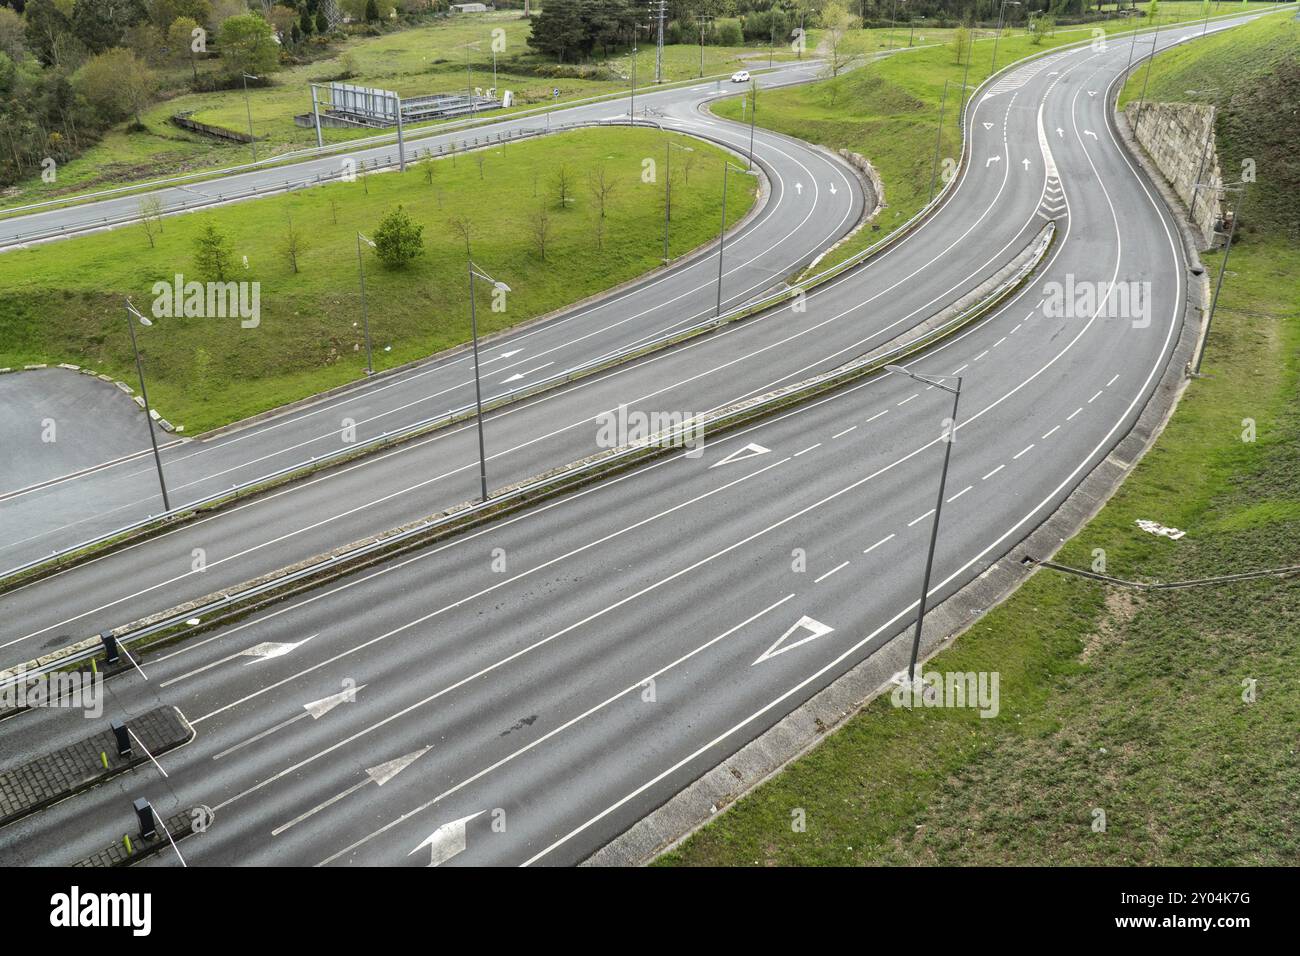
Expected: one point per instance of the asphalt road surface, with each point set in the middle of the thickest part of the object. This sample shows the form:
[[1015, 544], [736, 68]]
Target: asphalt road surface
[[545, 681]]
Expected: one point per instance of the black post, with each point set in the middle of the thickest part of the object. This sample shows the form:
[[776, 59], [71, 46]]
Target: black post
[[478, 392], [753, 111], [934, 532], [111, 655], [1218, 286], [148, 822], [122, 737], [144, 394], [938, 140], [365, 315], [722, 230]]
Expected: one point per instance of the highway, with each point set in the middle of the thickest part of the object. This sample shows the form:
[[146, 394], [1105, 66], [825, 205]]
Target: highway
[[547, 680]]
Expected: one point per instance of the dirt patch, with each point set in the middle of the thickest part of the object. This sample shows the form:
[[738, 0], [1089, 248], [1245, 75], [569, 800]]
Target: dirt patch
[[1121, 607]]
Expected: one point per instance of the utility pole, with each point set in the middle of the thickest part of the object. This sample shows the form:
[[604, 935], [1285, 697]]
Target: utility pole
[[1223, 268], [252, 140], [144, 395], [662, 6]]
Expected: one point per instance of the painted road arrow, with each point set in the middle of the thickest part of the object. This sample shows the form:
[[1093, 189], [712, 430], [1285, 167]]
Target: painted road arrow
[[315, 710], [798, 187], [815, 630], [749, 451], [992, 160], [447, 841], [269, 650], [379, 776]]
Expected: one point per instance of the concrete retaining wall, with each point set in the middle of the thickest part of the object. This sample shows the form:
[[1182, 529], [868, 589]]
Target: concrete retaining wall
[[1174, 136]]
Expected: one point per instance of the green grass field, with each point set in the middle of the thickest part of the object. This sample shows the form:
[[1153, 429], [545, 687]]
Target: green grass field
[[63, 302], [1131, 703], [429, 58], [888, 110]]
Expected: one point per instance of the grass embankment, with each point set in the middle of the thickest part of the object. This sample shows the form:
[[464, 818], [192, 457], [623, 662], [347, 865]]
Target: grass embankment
[[888, 110], [429, 58], [1126, 702], [63, 302]]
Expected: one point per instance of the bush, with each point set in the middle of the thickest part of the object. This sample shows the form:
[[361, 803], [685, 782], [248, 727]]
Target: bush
[[398, 239]]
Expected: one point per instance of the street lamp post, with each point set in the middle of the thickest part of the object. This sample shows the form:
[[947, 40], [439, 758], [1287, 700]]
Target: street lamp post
[[1240, 188], [938, 137], [1001, 17], [252, 140], [144, 395], [632, 111], [912, 30], [950, 435], [722, 230], [476, 273], [365, 316], [1146, 78], [669, 146], [1205, 147], [753, 112]]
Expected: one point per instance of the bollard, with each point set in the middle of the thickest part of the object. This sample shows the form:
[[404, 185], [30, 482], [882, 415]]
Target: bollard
[[110, 647], [122, 737], [148, 823]]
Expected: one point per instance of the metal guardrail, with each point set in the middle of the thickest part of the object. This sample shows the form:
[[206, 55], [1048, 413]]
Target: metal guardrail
[[556, 483]]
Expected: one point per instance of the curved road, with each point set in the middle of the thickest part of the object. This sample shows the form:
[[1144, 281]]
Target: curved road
[[556, 675]]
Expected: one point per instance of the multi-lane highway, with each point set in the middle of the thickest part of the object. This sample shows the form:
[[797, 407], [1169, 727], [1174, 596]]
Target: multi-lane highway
[[554, 676]]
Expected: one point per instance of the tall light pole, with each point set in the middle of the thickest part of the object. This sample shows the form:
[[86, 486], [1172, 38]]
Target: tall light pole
[[722, 230], [132, 312], [1155, 39], [365, 316], [949, 436], [702, 21], [1240, 188], [912, 30], [632, 111], [1205, 147], [753, 112], [938, 137], [476, 273], [252, 140], [669, 146], [1001, 16]]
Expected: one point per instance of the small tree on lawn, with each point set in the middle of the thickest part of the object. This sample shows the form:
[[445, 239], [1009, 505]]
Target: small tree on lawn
[[212, 255], [398, 239], [151, 209], [601, 185], [563, 183], [540, 226], [292, 245]]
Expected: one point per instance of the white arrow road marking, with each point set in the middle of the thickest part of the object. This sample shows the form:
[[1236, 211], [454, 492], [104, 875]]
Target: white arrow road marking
[[270, 649], [832, 189], [446, 841], [379, 776], [518, 375], [815, 628], [1060, 132], [1088, 132], [1026, 162], [992, 160], [319, 708], [505, 355], [388, 770], [1092, 92], [316, 710], [749, 451], [798, 187]]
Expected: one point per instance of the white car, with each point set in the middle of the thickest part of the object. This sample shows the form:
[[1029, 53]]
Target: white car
[[740, 77]]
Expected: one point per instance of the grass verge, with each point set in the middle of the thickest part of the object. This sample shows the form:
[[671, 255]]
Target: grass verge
[[1174, 714], [63, 301]]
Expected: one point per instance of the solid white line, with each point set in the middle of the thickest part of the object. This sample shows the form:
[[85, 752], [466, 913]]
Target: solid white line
[[830, 572], [639, 685], [1021, 452]]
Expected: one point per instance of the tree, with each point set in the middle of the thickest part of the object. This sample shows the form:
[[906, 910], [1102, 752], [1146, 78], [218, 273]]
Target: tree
[[601, 185], [11, 35], [372, 11], [180, 42], [960, 44], [151, 209], [102, 24], [49, 31], [562, 182], [540, 226], [292, 245], [840, 46], [322, 23], [398, 239], [117, 83], [163, 13], [248, 46], [212, 255]]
